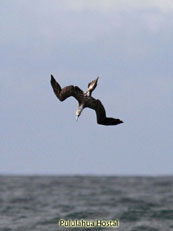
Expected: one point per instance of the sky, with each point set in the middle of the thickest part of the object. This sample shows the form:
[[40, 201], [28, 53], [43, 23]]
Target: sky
[[128, 44]]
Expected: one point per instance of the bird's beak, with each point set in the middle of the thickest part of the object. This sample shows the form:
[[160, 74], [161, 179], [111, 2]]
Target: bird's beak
[[77, 118]]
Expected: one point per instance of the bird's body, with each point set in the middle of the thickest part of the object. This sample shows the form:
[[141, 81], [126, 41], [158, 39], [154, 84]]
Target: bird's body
[[85, 100]]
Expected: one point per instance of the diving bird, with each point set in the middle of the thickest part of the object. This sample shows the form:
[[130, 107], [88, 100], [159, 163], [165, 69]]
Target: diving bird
[[85, 100]]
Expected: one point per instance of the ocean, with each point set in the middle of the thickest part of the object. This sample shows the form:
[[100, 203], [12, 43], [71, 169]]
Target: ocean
[[31, 203]]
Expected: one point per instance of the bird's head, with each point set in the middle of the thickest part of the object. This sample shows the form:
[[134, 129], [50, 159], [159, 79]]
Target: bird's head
[[78, 112]]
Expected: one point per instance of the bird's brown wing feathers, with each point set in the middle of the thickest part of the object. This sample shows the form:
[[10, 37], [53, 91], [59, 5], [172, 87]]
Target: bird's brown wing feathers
[[64, 93], [101, 113]]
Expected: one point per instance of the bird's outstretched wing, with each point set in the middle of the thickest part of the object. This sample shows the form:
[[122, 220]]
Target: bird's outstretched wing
[[64, 93], [101, 113]]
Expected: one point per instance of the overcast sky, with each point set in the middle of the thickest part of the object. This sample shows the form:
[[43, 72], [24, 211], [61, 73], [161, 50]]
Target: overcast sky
[[128, 43]]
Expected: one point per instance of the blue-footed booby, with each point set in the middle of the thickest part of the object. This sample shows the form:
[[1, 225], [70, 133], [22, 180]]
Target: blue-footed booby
[[85, 100]]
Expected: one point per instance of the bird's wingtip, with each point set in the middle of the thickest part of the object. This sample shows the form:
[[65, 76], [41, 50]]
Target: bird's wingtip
[[51, 77]]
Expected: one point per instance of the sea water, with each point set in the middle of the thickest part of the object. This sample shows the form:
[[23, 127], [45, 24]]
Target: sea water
[[30, 203]]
